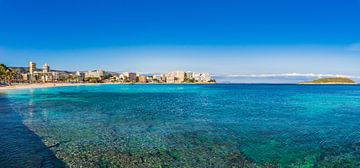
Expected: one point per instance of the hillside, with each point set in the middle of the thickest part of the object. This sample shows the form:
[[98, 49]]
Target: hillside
[[340, 80], [26, 69]]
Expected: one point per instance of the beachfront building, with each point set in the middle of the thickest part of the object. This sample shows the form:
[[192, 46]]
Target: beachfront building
[[46, 75], [123, 77], [128, 77], [201, 77], [163, 78], [56, 76], [157, 78], [189, 75], [95, 74], [80, 76], [149, 79], [170, 79], [32, 67], [126, 74], [46, 68], [32, 70], [175, 77], [25, 77], [205, 77], [133, 77], [143, 79]]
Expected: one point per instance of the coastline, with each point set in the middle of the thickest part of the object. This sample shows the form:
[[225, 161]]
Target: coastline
[[330, 83], [42, 85], [51, 85]]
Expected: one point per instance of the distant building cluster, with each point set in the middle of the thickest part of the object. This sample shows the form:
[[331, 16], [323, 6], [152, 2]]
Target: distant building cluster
[[44, 75], [47, 75], [94, 74], [170, 77]]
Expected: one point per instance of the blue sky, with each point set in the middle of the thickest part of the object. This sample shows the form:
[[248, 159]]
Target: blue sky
[[232, 39]]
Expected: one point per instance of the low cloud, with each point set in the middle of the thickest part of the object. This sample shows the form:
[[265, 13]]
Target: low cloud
[[289, 75], [277, 78]]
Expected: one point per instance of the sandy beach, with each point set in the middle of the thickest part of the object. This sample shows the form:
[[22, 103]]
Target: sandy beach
[[42, 85]]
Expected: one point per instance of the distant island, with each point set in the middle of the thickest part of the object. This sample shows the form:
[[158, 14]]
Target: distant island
[[339, 80]]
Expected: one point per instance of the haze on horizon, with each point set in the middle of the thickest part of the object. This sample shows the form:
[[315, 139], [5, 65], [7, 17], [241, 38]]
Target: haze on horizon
[[238, 41]]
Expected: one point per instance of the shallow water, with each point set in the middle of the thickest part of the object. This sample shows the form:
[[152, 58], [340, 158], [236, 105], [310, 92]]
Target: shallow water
[[187, 125]]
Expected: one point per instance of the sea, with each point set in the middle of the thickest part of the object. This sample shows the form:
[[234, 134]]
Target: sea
[[181, 125]]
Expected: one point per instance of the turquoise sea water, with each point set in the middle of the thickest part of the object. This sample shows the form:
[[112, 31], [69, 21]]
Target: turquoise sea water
[[219, 125]]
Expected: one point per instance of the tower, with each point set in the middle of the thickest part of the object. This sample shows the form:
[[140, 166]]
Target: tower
[[46, 68], [32, 67]]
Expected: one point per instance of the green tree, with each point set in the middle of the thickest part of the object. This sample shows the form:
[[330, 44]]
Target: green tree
[[189, 80], [7, 75], [92, 80], [212, 81]]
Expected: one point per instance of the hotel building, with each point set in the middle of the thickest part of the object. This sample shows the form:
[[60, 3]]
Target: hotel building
[[32, 67], [133, 77], [95, 74], [142, 79], [175, 77]]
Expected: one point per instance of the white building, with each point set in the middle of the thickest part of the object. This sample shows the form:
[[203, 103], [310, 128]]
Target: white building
[[150, 79], [122, 77], [196, 76], [128, 76], [46, 68], [32, 67], [170, 79], [205, 77], [56, 76], [175, 77], [95, 74], [201, 77], [189, 75], [80, 76], [46, 74], [125, 74], [157, 78]]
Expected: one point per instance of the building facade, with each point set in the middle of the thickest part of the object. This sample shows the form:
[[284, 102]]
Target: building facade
[[133, 77], [32, 67], [95, 74], [46, 68], [46, 75], [142, 79], [175, 77]]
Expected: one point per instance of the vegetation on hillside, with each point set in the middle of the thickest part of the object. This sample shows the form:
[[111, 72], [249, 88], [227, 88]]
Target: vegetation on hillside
[[93, 80], [189, 80], [7, 75], [339, 80], [212, 81]]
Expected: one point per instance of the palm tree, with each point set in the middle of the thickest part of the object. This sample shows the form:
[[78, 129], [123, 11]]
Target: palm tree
[[7, 75], [4, 72]]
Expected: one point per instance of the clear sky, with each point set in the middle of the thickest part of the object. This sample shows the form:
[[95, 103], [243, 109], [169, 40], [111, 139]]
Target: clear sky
[[229, 38]]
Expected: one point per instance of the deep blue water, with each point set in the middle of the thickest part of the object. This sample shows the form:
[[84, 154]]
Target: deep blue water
[[218, 125]]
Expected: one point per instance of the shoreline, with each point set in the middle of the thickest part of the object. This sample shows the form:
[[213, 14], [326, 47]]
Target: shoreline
[[41, 85], [329, 83], [52, 85]]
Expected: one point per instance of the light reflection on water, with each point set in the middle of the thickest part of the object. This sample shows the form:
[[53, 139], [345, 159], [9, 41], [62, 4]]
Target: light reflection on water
[[196, 125]]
